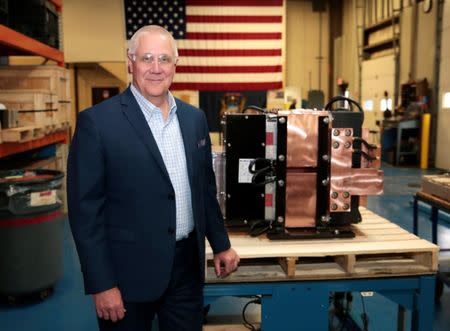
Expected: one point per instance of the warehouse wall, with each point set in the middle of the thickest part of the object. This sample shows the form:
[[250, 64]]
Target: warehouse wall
[[104, 26], [93, 31], [93, 75], [302, 48], [417, 52], [443, 131], [349, 53]]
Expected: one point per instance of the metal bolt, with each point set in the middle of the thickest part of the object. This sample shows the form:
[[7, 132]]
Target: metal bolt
[[334, 206], [336, 132], [348, 132], [280, 219], [348, 144], [245, 221], [281, 182], [334, 195], [282, 120], [228, 196], [345, 194], [246, 117], [326, 120], [336, 231], [281, 157], [229, 145], [325, 182], [262, 195], [335, 144], [345, 206], [325, 157], [263, 144]]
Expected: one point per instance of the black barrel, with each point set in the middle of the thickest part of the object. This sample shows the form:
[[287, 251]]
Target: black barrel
[[31, 231]]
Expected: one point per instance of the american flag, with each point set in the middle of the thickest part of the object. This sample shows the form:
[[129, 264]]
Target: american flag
[[223, 45]]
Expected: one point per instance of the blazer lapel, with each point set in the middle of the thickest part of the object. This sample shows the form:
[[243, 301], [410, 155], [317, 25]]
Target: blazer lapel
[[188, 133], [137, 120]]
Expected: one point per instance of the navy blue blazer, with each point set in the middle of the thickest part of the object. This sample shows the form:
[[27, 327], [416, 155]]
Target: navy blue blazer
[[122, 203]]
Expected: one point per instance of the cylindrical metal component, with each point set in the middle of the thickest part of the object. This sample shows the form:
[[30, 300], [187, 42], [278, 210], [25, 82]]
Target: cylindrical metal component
[[348, 132], [325, 181], [345, 206], [325, 157], [348, 144], [334, 206], [282, 120], [335, 145], [425, 141], [345, 194], [336, 132], [280, 219], [334, 195], [281, 182], [281, 157]]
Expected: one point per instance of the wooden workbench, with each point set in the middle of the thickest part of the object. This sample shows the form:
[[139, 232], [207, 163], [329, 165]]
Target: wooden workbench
[[379, 249]]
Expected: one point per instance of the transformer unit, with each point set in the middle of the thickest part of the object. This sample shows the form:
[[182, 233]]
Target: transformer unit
[[297, 174]]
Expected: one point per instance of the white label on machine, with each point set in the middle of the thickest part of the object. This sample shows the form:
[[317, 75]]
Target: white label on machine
[[367, 294], [43, 198], [244, 174]]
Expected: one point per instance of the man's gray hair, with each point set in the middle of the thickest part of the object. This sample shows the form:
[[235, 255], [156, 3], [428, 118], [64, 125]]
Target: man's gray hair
[[133, 43]]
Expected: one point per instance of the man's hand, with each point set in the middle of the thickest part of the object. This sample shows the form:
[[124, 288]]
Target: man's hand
[[226, 262], [109, 305]]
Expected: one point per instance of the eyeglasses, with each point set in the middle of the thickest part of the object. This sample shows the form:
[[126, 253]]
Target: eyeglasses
[[148, 59]]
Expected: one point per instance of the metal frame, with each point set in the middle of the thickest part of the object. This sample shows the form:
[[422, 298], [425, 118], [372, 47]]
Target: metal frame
[[287, 305], [435, 207]]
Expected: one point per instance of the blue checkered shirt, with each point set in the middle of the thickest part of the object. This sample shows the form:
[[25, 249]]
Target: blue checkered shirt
[[170, 144]]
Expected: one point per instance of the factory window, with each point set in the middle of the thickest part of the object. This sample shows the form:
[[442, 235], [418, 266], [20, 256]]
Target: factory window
[[368, 105], [446, 100], [385, 104]]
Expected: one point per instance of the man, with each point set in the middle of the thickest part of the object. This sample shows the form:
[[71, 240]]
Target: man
[[142, 197]]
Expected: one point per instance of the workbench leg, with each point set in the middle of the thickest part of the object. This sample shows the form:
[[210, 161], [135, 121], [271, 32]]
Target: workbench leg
[[434, 223], [423, 313], [296, 307], [415, 216]]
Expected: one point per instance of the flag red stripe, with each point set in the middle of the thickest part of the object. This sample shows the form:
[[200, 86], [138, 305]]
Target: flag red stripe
[[227, 86], [233, 35], [229, 52], [233, 19], [227, 69], [222, 3]]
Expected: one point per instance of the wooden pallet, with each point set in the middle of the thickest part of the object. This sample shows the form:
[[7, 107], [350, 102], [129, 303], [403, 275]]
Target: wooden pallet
[[379, 249], [22, 134]]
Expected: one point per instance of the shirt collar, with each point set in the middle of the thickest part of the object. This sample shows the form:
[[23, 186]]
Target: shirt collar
[[148, 107]]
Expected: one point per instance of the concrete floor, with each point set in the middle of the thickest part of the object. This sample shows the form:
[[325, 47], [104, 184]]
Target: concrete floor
[[69, 310]]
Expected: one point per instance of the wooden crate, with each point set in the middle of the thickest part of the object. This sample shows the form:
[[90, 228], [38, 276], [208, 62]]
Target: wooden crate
[[51, 78], [35, 108], [62, 115], [379, 249]]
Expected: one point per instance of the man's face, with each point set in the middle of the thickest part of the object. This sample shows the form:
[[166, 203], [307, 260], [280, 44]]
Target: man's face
[[153, 66]]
